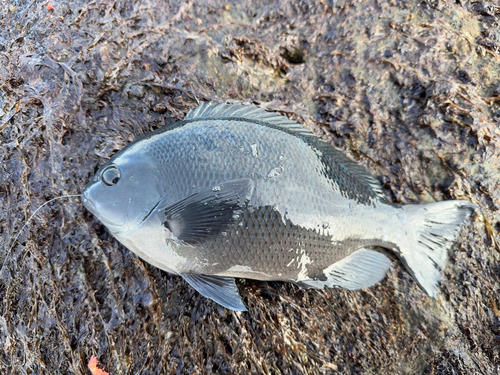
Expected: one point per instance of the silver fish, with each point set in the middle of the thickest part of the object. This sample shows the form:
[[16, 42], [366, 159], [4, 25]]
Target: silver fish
[[235, 191]]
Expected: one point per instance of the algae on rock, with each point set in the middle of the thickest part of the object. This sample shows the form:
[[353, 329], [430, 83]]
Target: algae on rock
[[408, 89]]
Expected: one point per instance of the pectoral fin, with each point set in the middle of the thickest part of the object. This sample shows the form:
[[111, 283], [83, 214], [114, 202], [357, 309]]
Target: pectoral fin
[[361, 269], [220, 289], [209, 212]]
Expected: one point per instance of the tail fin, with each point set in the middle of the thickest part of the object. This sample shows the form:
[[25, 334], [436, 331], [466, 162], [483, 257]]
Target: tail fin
[[431, 230]]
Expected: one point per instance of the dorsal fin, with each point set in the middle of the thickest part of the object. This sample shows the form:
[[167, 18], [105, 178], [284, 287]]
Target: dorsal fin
[[250, 112], [350, 167], [337, 163]]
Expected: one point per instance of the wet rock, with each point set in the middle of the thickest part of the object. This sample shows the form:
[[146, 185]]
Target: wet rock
[[407, 89]]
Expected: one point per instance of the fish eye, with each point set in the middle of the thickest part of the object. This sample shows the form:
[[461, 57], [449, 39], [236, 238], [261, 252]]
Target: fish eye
[[110, 176]]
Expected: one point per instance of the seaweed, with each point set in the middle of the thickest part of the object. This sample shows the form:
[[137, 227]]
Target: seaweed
[[408, 89]]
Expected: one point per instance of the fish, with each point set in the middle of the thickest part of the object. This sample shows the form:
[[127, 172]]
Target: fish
[[235, 191]]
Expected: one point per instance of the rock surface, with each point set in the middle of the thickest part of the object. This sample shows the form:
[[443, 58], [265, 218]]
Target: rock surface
[[411, 90]]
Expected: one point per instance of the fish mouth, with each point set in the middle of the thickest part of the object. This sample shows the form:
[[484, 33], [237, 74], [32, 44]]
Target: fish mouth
[[87, 202]]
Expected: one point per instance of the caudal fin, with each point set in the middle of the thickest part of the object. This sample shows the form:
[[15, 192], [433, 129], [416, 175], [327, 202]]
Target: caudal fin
[[431, 230]]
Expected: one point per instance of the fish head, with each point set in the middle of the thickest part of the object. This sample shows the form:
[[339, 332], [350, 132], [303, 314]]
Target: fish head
[[123, 192]]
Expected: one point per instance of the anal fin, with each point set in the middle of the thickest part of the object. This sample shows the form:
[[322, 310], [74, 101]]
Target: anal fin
[[220, 289], [361, 269]]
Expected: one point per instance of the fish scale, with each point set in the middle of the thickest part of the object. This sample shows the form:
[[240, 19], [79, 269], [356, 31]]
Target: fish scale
[[261, 237], [235, 191]]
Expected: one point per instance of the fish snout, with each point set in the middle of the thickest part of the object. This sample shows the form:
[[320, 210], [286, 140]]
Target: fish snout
[[87, 201]]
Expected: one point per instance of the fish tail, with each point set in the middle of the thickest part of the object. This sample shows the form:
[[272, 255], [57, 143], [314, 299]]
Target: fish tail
[[430, 231]]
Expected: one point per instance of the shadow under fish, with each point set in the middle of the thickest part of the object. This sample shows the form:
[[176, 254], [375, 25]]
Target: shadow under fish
[[235, 191]]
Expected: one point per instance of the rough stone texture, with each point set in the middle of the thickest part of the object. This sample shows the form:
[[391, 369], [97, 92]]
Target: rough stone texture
[[409, 89]]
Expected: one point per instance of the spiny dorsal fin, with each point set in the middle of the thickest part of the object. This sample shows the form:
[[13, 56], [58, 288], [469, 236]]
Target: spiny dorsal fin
[[251, 112], [339, 163]]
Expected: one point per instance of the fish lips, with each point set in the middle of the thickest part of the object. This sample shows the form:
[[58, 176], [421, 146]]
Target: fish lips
[[87, 201]]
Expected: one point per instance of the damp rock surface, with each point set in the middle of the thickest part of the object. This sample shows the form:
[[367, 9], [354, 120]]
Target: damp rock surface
[[409, 89]]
